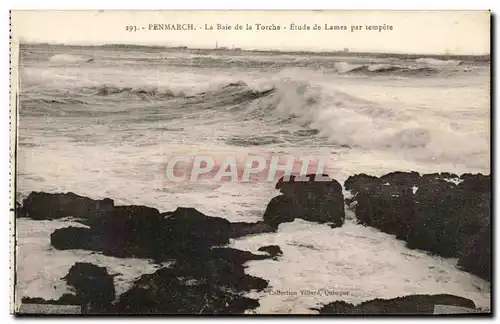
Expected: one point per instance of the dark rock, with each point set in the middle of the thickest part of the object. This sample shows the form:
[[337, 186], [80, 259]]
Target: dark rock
[[476, 182], [447, 217], [218, 269], [358, 181], [94, 289], [387, 208], [196, 229], [208, 283], [93, 285], [315, 201], [401, 178], [279, 211], [429, 212], [448, 175], [19, 210], [437, 219], [273, 250], [476, 257], [136, 231], [203, 278], [72, 237], [413, 304], [236, 256], [163, 292], [46, 206], [66, 299], [240, 229], [133, 231], [128, 231]]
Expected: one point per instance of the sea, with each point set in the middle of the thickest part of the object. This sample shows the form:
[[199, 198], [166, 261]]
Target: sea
[[102, 121]]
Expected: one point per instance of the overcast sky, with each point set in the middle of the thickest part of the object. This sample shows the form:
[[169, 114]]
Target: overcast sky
[[429, 32]]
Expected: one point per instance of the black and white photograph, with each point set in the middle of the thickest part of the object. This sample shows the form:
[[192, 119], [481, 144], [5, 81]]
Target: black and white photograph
[[251, 162]]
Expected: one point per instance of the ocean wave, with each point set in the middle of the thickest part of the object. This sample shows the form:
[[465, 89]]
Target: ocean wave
[[349, 68], [437, 62], [94, 94], [253, 140], [51, 100], [290, 100], [229, 94], [348, 121], [68, 58], [232, 94], [144, 93], [306, 109]]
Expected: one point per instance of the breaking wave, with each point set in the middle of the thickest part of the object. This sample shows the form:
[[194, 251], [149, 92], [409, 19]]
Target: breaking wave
[[130, 91], [305, 109], [230, 94], [90, 95], [348, 121], [68, 58], [348, 68], [437, 62], [253, 140]]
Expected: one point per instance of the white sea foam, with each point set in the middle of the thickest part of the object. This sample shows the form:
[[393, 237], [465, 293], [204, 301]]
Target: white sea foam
[[68, 58], [433, 61], [358, 263], [40, 268]]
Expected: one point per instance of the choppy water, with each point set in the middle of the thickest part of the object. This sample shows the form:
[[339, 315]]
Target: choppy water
[[102, 122]]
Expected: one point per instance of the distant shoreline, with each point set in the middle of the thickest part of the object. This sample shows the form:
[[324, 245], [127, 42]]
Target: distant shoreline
[[154, 48]]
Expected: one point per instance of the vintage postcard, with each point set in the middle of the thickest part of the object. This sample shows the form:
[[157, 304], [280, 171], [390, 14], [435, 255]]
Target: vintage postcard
[[250, 162]]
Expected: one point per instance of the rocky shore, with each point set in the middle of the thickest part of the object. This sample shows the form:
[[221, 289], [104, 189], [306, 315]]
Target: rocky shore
[[412, 304], [444, 214], [441, 213]]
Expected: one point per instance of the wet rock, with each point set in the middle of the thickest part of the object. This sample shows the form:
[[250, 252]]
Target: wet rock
[[272, 250], [208, 283], [132, 231], [72, 237], [476, 182], [47, 206], [312, 200], [429, 212], [476, 257], [356, 182], [128, 231], [19, 210], [448, 175], [137, 231], [437, 219], [413, 304], [279, 211], [65, 299], [196, 230], [94, 290], [240, 229], [204, 278], [235, 255], [401, 178], [163, 292], [387, 208], [220, 267], [93, 285]]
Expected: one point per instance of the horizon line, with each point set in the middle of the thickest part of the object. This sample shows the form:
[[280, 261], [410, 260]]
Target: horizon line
[[255, 50]]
